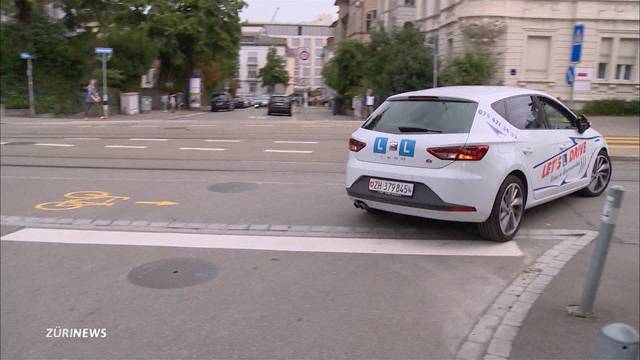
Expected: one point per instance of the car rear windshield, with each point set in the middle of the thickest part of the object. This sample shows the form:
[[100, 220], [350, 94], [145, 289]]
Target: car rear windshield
[[279, 98], [431, 116]]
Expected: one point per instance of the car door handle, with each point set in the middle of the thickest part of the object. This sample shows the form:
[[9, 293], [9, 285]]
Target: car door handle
[[527, 151]]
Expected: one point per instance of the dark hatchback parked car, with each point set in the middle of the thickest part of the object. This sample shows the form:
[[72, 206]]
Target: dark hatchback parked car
[[222, 101], [279, 104]]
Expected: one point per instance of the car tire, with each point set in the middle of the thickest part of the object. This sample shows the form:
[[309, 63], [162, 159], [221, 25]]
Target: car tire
[[601, 174], [507, 204]]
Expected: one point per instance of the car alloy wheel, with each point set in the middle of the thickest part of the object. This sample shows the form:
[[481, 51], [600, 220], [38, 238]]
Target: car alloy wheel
[[511, 209], [600, 175]]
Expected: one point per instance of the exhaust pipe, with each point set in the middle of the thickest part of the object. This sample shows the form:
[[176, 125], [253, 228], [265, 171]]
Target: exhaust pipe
[[360, 205]]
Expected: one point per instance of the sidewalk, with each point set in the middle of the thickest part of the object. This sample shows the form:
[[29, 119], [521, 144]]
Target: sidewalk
[[549, 332]]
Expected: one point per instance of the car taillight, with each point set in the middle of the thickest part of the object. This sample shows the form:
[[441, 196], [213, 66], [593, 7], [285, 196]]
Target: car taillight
[[467, 152], [355, 145]]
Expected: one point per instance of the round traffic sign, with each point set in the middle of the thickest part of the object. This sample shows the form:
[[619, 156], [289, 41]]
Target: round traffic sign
[[304, 55]]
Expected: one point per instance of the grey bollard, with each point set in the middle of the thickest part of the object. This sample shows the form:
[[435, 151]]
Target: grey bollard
[[617, 341], [607, 225]]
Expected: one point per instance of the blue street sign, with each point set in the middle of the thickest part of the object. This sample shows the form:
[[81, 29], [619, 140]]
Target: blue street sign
[[25, 56], [571, 75], [101, 50], [576, 48]]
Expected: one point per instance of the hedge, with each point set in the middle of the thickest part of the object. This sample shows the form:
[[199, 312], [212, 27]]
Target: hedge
[[613, 107]]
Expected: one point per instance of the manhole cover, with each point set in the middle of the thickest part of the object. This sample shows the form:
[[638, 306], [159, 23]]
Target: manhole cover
[[172, 273], [233, 187], [20, 143]]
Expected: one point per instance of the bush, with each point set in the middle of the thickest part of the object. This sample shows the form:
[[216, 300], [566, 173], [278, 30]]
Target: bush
[[614, 107], [471, 68]]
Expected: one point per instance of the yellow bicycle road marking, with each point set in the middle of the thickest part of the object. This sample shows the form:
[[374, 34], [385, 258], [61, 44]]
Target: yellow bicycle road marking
[[80, 199]]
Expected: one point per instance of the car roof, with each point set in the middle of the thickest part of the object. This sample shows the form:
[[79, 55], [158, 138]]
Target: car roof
[[474, 93]]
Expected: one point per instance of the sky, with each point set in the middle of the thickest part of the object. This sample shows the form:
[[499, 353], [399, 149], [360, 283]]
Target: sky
[[290, 10]]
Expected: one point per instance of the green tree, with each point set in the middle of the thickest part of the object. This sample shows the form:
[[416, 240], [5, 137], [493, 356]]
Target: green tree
[[274, 71], [345, 72], [398, 61], [471, 68], [193, 32]]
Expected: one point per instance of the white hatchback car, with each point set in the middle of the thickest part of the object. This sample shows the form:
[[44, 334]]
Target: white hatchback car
[[474, 153]]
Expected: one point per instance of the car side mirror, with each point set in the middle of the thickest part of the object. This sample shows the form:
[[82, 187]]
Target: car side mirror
[[583, 124]]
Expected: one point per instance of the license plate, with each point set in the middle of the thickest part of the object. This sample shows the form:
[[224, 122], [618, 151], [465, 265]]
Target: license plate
[[391, 187]]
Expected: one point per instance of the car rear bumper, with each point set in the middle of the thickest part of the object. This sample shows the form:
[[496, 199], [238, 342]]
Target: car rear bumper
[[443, 194], [280, 110]]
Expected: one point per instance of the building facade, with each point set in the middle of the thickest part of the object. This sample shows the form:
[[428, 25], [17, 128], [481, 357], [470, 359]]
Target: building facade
[[356, 19], [303, 50], [253, 56], [393, 14], [531, 41]]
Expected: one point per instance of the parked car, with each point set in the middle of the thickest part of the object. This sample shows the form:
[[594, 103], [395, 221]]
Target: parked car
[[279, 104], [241, 102], [261, 101], [222, 101], [474, 154]]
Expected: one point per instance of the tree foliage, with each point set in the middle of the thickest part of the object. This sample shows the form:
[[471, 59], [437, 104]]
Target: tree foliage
[[392, 62], [346, 70], [183, 34], [399, 61], [274, 71], [471, 68]]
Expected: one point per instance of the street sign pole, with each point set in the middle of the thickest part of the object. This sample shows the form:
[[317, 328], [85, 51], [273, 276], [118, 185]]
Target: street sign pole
[[32, 103], [104, 54], [105, 94], [576, 50], [434, 50]]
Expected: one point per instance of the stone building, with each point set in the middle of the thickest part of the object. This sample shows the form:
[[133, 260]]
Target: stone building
[[531, 40], [303, 49]]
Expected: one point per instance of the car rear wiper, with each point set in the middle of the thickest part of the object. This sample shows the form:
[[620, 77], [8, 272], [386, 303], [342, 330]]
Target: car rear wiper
[[417, 129]]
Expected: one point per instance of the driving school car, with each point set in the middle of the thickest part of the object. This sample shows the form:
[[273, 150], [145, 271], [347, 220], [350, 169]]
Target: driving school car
[[474, 154]]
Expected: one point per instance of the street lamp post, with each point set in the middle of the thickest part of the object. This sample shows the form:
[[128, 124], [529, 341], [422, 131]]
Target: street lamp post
[[32, 105], [434, 51]]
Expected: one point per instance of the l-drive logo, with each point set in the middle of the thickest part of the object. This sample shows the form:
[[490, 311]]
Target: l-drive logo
[[406, 148]]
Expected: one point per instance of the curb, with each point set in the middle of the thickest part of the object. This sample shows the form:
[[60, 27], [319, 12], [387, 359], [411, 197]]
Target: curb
[[624, 158], [492, 336]]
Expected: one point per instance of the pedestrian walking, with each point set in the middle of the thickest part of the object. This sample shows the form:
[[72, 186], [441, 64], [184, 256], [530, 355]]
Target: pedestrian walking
[[92, 97], [173, 101]]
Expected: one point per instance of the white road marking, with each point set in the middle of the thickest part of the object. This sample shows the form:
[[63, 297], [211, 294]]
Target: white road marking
[[81, 138], [144, 126], [2, 143], [149, 139], [222, 140], [257, 117], [124, 147], [202, 149], [289, 151], [178, 180], [273, 243], [259, 125], [58, 145], [295, 142], [190, 115], [202, 125]]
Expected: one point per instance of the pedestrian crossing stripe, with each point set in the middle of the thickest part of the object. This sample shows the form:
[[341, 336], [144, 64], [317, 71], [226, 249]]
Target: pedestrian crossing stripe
[[269, 243]]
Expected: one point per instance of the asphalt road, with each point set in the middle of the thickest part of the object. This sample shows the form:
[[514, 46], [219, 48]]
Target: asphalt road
[[328, 297]]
